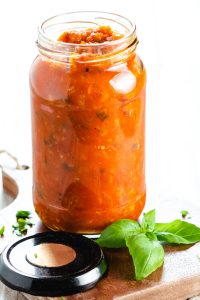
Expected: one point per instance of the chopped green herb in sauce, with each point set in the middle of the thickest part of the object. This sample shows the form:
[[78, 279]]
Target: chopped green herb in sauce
[[68, 100], [50, 140], [101, 115], [102, 171], [39, 191], [68, 167]]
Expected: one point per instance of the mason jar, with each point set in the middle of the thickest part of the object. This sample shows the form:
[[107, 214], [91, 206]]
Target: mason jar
[[88, 124]]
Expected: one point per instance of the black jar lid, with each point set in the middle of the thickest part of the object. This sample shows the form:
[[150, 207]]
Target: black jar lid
[[24, 267]]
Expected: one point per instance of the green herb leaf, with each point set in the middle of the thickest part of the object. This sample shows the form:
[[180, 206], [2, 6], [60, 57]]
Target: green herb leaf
[[152, 236], [148, 221], [147, 255], [16, 226], [29, 223], [178, 232], [23, 214], [184, 213], [20, 233], [2, 229], [144, 241], [114, 235], [23, 222]]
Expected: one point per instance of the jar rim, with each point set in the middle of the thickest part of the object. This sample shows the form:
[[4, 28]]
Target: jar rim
[[130, 32], [48, 45]]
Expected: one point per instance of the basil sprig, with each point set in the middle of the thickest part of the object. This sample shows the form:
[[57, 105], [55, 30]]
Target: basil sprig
[[144, 241]]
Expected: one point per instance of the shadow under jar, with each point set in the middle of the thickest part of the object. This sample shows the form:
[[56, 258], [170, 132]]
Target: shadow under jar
[[88, 122]]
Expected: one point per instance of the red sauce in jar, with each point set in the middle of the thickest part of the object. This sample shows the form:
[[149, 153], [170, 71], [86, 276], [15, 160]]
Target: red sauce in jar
[[88, 138]]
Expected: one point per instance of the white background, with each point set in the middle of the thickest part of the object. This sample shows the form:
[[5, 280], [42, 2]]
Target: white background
[[169, 34]]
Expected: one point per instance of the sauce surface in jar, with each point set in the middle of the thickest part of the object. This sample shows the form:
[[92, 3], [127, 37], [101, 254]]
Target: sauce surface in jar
[[100, 34], [88, 134]]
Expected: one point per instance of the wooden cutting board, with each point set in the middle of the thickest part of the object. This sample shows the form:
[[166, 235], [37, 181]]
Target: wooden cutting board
[[178, 279]]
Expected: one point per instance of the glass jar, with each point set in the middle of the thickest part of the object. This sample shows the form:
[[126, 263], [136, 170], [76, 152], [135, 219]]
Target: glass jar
[[88, 125]]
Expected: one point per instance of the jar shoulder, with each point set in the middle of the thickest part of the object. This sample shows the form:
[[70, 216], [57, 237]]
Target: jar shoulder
[[52, 80]]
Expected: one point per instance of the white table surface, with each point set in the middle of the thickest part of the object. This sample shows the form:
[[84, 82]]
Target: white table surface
[[169, 34]]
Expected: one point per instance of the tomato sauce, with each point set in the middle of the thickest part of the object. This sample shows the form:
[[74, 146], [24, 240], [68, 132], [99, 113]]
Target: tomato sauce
[[88, 133], [100, 34]]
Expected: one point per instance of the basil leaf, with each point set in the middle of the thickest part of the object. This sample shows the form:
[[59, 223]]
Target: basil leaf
[[148, 221], [178, 232], [152, 236], [21, 222], [114, 235], [147, 255]]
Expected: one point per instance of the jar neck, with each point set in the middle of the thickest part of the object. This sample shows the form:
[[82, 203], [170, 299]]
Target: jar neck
[[116, 50]]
